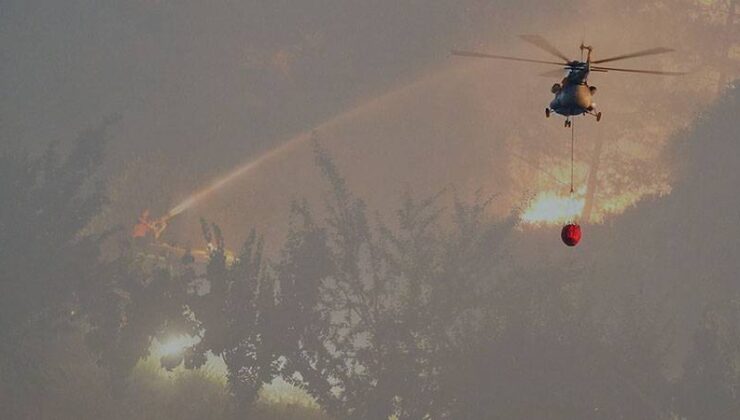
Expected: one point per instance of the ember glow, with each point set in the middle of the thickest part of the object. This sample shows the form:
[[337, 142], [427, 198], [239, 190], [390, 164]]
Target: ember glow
[[173, 345], [552, 208]]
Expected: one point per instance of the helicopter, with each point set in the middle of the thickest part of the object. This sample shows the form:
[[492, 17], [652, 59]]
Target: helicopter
[[573, 95]]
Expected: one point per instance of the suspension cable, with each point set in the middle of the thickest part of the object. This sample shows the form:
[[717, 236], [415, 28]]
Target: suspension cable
[[572, 152]]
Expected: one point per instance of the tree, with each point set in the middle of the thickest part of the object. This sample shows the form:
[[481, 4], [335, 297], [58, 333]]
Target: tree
[[46, 201], [234, 317]]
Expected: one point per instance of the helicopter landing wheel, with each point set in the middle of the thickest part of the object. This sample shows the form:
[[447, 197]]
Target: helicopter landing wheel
[[598, 116], [547, 112]]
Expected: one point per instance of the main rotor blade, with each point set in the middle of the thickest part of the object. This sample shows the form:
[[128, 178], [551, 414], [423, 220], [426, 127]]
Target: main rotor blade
[[500, 57], [565, 70], [662, 73], [542, 43], [651, 51]]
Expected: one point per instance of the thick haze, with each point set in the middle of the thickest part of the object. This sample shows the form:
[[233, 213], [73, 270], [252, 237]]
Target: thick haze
[[474, 309], [201, 88]]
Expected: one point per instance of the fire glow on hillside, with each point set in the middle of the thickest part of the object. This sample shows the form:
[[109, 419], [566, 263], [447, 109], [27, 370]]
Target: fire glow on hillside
[[551, 208]]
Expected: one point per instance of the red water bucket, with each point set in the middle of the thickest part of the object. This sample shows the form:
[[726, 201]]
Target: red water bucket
[[571, 234]]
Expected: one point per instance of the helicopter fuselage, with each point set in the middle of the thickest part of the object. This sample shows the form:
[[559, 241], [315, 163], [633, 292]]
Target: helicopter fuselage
[[574, 96]]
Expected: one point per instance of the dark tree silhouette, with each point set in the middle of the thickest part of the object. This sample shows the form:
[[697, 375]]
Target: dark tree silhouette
[[46, 201], [234, 317]]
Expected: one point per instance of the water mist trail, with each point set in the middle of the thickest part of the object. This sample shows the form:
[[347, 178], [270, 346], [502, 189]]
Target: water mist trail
[[255, 163]]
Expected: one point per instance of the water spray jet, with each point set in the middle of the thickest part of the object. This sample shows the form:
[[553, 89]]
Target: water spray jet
[[254, 164]]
